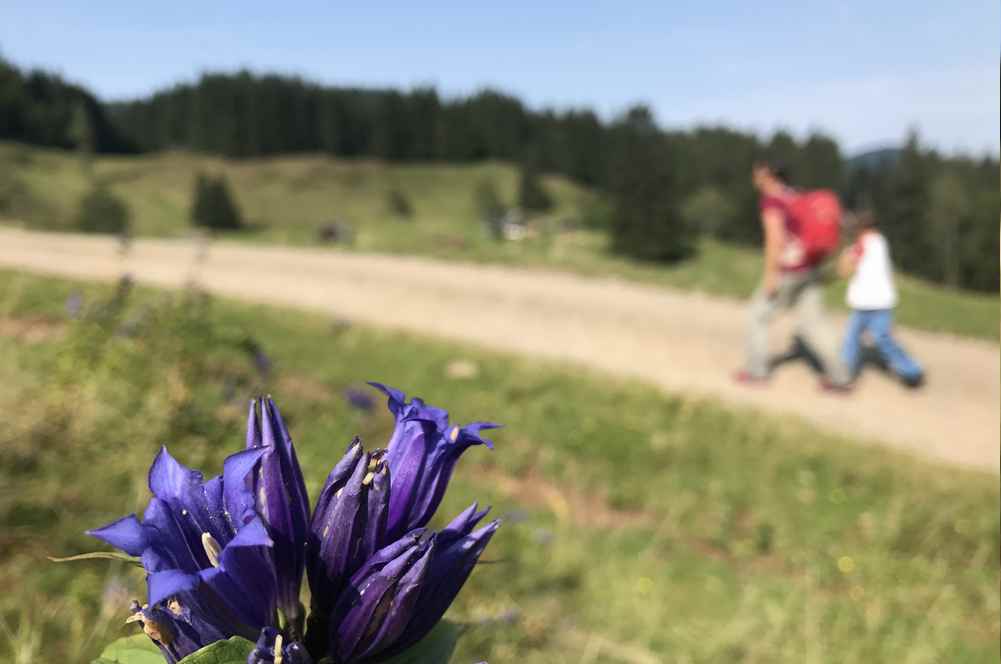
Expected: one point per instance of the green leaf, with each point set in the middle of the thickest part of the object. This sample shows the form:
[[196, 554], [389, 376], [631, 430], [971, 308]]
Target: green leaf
[[136, 649], [435, 648], [232, 651], [99, 555], [140, 650]]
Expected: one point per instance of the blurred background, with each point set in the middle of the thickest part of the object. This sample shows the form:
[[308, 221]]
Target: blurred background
[[199, 204]]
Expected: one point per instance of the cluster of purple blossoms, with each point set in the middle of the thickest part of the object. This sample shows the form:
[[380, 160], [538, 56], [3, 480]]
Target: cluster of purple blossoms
[[226, 557]]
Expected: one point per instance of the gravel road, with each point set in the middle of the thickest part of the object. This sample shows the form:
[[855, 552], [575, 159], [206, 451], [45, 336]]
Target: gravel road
[[681, 342]]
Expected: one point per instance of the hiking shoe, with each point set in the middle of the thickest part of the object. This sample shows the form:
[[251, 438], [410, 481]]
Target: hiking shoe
[[836, 388], [745, 377]]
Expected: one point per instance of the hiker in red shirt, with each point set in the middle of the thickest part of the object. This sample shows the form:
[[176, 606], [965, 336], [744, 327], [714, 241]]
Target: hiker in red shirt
[[791, 281]]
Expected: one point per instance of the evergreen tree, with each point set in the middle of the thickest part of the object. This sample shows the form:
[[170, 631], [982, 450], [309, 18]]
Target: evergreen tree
[[709, 210], [904, 213], [532, 195], [213, 207], [41, 108], [647, 223]]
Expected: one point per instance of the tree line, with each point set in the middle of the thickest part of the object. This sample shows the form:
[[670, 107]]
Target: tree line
[[42, 109], [664, 188]]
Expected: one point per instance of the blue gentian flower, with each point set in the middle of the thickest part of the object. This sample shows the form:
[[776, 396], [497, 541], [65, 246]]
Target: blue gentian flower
[[225, 557], [281, 500], [421, 456], [207, 555]]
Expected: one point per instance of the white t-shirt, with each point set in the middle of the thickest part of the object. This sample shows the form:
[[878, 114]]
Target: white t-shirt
[[871, 287]]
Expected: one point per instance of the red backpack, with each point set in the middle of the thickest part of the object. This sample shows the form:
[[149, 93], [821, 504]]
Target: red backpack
[[818, 215]]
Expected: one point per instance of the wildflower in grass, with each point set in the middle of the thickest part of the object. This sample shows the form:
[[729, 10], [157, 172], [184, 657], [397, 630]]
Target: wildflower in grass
[[74, 305], [226, 557], [421, 456], [206, 552], [280, 498], [359, 400]]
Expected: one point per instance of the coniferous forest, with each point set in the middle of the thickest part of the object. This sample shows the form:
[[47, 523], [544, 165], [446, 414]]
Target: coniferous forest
[[940, 212]]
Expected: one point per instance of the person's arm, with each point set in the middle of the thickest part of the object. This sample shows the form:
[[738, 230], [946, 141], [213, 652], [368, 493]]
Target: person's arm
[[774, 225], [848, 261]]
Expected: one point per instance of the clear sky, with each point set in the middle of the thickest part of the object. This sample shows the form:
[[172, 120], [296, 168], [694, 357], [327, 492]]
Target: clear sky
[[864, 71]]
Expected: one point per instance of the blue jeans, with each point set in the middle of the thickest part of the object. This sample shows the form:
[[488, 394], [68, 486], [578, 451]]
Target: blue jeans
[[879, 324]]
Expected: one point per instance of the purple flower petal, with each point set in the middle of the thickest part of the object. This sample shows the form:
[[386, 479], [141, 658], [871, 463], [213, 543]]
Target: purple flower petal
[[125, 534], [161, 586], [421, 454], [281, 499], [450, 566], [363, 610]]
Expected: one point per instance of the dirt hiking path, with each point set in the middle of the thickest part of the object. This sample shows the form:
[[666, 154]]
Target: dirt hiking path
[[681, 342]]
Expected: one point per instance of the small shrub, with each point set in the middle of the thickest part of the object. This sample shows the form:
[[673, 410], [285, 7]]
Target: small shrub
[[399, 205], [491, 208], [213, 206], [101, 211]]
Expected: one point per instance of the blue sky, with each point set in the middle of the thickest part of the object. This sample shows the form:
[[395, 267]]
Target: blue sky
[[862, 71]]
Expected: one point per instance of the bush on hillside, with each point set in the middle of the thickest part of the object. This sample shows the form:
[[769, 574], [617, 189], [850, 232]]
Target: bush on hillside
[[399, 204], [213, 206], [532, 196], [101, 211], [490, 208]]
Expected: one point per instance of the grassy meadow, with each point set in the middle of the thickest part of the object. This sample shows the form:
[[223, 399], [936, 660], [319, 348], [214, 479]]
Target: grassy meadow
[[290, 199], [639, 527]]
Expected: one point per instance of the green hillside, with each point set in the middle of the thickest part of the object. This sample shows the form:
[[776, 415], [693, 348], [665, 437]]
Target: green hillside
[[290, 199]]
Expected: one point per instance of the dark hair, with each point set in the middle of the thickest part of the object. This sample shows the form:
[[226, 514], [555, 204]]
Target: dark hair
[[778, 169], [866, 219]]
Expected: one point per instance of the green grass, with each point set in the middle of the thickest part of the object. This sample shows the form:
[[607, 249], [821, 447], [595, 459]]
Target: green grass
[[639, 527], [288, 199]]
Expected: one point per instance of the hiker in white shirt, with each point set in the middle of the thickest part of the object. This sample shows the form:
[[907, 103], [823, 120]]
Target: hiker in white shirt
[[872, 296]]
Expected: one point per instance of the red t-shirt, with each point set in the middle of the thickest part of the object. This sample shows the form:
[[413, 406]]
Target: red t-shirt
[[793, 256]]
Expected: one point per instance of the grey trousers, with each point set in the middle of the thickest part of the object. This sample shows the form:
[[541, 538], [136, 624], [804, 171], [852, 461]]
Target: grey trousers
[[803, 292]]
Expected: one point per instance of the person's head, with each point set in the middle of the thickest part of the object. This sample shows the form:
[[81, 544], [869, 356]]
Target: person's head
[[864, 220], [769, 177]]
